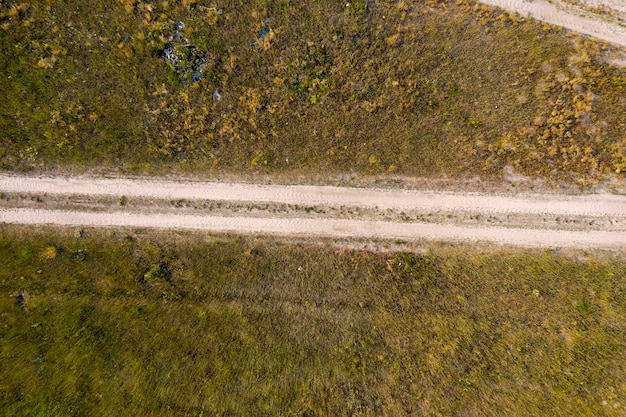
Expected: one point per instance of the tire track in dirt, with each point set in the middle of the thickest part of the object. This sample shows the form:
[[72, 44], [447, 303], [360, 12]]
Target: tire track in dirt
[[588, 205], [322, 228], [521, 232]]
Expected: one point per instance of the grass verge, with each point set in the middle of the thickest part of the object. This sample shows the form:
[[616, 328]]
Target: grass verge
[[377, 88], [110, 322]]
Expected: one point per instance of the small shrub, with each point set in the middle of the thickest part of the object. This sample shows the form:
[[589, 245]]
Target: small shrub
[[158, 273], [357, 8]]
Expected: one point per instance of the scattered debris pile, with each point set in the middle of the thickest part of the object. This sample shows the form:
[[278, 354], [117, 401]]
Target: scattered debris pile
[[187, 61]]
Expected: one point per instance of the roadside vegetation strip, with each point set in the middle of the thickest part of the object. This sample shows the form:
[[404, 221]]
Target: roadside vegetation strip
[[410, 88], [587, 205], [324, 227], [135, 322]]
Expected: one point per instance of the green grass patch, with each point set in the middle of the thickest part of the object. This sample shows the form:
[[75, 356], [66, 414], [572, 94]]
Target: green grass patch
[[427, 87], [114, 322]]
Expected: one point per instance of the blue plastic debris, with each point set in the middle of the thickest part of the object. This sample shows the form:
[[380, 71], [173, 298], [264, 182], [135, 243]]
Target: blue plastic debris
[[265, 31], [196, 77]]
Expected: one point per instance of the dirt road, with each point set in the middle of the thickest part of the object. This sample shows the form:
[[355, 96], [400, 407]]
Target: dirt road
[[602, 19], [531, 220]]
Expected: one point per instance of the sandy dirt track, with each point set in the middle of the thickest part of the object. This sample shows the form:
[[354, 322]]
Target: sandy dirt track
[[602, 19], [324, 227], [521, 232], [593, 205], [600, 218]]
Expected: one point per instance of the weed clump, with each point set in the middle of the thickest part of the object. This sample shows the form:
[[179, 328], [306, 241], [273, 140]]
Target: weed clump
[[158, 273]]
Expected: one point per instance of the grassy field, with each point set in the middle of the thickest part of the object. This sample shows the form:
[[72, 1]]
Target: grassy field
[[379, 88], [106, 322], [137, 323]]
